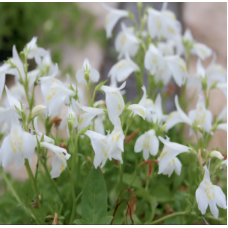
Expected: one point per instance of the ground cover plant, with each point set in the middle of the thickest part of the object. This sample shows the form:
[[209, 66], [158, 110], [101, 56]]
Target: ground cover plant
[[120, 163]]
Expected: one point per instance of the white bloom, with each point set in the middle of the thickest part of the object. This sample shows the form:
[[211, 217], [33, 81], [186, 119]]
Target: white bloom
[[223, 114], [17, 146], [223, 87], [122, 69], [112, 18], [201, 115], [167, 159], [71, 116], [109, 146], [59, 161], [164, 67], [18, 64], [216, 154], [87, 71], [207, 193], [126, 42], [98, 124], [178, 69], [88, 114], [166, 48], [116, 142], [34, 51], [114, 101], [157, 113], [55, 94], [147, 142], [3, 71], [162, 24], [32, 76], [148, 104], [201, 50], [223, 163], [100, 147], [46, 65], [37, 109], [39, 134], [17, 90], [222, 126]]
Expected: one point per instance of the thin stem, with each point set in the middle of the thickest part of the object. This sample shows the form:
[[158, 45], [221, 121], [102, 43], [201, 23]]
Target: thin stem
[[168, 216], [74, 157], [32, 179], [88, 97]]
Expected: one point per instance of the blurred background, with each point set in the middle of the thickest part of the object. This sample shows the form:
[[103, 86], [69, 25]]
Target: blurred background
[[74, 31]]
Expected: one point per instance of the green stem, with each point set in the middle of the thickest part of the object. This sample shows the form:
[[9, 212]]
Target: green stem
[[168, 216], [32, 179], [74, 158], [88, 97]]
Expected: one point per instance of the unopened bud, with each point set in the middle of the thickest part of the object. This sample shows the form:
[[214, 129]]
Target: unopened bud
[[163, 128], [37, 109], [200, 128], [216, 154]]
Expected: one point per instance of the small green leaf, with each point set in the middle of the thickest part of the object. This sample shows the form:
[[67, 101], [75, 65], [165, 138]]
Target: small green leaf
[[106, 220], [94, 197], [80, 222]]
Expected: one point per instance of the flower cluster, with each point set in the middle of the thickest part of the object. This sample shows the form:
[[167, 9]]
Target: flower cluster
[[160, 50]]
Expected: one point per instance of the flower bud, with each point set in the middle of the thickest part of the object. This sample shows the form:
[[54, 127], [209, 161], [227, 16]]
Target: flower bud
[[200, 128], [37, 109], [216, 154]]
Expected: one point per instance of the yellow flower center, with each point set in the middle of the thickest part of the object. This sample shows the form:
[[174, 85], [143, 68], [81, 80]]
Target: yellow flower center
[[16, 142]]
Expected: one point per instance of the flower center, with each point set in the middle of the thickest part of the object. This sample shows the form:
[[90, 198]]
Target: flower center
[[209, 190], [16, 142]]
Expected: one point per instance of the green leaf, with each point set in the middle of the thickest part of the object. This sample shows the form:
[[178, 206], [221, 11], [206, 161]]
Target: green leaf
[[106, 220], [152, 201], [94, 197], [80, 222]]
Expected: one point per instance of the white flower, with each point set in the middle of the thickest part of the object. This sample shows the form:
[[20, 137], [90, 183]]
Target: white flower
[[147, 142], [122, 69], [201, 50], [16, 61], [17, 90], [17, 146], [112, 18], [148, 104], [222, 126], [178, 69], [201, 115], [114, 101], [109, 146], [157, 113], [223, 87], [164, 67], [34, 51], [166, 48], [37, 109], [70, 117], [216, 154], [59, 161], [46, 65], [39, 134], [167, 159], [223, 114], [88, 114], [162, 23], [3, 71], [207, 193], [87, 71], [223, 163], [32, 76], [116, 142], [55, 94], [98, 124], [100, 147], [126, 42]]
